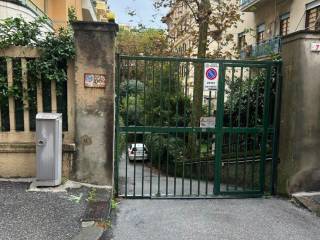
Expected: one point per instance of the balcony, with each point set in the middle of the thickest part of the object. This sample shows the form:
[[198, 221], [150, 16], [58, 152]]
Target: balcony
[[250, 5], [262, 50]]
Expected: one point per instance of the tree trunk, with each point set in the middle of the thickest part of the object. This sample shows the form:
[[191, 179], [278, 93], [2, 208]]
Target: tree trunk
[[204, 14]]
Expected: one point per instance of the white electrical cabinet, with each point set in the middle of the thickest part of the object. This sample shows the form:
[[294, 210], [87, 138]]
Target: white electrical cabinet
[[49, 149]]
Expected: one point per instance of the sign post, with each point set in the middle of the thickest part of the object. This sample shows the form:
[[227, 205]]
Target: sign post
[[211, 76]]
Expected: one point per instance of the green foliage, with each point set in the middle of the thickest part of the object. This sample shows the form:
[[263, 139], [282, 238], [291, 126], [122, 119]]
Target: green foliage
[[72, 16], [245, 96], [141, 41], [245, 101], [56, 49], [92, 195], [114, 204], [158, 100], [131, 87], [18, 32]]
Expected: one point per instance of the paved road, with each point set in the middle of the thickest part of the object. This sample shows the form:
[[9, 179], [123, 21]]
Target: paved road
[[246, 219], [37, 215], [138, 174]]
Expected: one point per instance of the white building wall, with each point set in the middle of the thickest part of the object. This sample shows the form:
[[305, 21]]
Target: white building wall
[[9, 9]]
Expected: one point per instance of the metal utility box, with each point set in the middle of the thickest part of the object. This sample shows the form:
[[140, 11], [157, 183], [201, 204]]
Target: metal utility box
[[49, 149]]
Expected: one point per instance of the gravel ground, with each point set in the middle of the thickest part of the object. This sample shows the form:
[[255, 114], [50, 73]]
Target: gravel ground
[[37, 215], [241, 219]]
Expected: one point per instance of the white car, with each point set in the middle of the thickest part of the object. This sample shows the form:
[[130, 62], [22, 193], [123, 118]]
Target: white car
[[137, 151]]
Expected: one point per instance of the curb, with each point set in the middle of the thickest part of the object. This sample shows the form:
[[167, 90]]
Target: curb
[[307, 201], [89, 233]]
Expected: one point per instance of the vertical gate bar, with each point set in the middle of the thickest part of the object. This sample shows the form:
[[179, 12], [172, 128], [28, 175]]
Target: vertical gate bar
[[276, 123], [159, 166], [265, 127], [247, 126], [116, 175], [219, 132], [256, 136], [192, 148], [161, 123], [144, 122], [127, 124], [135, 128], [151, 150], [184, 123], [168, 134], [253, 163], [199, 166], [238, 134], [231, 126], [176, 135], [209, 105], [207, 163], [167, 167]]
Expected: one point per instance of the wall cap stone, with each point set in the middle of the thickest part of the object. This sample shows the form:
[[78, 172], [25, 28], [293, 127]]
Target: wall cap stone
[[20, 51], [95, 26], [30, 147], [303, 34]]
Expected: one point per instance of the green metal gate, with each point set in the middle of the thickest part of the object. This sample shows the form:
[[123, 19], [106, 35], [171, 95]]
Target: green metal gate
[[231, 151]]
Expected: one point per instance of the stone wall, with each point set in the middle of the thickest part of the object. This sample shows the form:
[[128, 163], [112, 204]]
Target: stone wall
[[299, 168], [95, 47]]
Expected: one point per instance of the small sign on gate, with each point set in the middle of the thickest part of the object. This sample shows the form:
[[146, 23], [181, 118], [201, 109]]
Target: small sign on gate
[[211, 76], [207, 122]]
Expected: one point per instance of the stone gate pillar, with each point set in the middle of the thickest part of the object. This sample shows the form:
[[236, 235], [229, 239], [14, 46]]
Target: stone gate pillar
[[94, 101], [299, 168]]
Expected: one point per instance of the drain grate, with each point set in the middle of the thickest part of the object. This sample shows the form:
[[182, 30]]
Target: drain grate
[[96, 211]]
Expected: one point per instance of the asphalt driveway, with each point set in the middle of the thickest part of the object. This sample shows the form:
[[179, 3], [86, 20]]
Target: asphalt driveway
[[245, 219], [37, 215]]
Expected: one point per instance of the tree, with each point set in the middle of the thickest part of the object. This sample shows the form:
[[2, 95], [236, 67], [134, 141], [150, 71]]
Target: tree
[[211, 21], [146, 41]]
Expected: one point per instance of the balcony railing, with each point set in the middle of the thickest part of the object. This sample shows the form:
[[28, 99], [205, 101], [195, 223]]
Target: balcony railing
[[264, 49], [245, 2], [248, 5]]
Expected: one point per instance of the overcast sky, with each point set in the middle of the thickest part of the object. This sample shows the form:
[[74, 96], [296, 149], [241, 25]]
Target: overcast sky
[[144, 10]]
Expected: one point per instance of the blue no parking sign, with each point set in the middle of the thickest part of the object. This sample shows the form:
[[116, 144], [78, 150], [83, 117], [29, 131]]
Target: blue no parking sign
[[211, 76], [211, 73]]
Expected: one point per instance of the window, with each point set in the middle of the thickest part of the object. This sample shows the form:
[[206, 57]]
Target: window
[[242, 40], [184, 48], [313, 17], [261, 33], [284, 24]]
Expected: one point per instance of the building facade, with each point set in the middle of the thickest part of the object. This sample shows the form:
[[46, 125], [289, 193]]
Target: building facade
[[258, 34], [266, 22], [102, 10], [55, 11]]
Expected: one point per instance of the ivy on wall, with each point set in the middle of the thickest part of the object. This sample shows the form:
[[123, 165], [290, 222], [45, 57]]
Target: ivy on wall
[[56, 49]]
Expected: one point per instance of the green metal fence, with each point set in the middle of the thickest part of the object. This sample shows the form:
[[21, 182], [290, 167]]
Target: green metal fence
[[162, 152]]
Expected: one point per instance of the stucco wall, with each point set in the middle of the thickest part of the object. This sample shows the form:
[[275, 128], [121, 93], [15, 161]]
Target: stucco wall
[[19, 160], [299, 168]]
